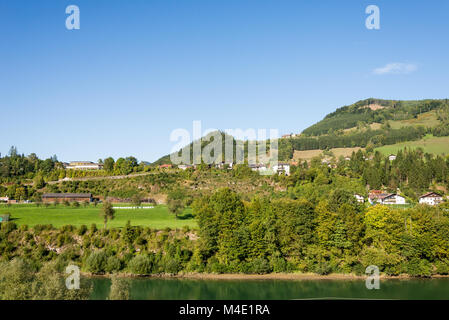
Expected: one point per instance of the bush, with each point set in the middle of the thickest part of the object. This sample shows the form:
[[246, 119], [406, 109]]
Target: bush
[[140, 264], [8, 226], [419, 268], [278, 265], [82, 230], [113, 264], [97, 262], [260, 266], [442, 267], [323, 268], [171, 265]]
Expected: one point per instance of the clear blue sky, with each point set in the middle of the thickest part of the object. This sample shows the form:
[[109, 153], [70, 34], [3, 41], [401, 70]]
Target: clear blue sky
[[138, 69]]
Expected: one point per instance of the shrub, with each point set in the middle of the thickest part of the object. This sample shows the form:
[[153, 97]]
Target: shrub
[[113, 264], [67, 228], [442, 267], [323, 268], [82, 230], [260, 266], [8, 226], [279, 265], [171, 265], [419, 268], [140, 264], [96, 262], [141, 241]]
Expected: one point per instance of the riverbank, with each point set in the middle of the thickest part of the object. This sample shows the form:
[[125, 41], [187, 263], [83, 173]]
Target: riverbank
[[269, 276]]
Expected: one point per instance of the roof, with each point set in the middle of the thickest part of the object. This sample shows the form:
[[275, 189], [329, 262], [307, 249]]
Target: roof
[[383, 197], [428, 194], [67, 195]]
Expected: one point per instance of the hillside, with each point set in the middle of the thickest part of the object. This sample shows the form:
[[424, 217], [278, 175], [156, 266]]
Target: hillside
[[370, 111], [370, 123]]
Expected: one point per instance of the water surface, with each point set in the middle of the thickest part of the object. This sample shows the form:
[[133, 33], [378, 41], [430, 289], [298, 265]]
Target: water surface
[[193, 289]]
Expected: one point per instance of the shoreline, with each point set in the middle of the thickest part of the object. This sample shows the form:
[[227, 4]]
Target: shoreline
[[269, 276]]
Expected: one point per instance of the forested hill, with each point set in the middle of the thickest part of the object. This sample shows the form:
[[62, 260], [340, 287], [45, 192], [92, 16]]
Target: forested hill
[[372, 111]]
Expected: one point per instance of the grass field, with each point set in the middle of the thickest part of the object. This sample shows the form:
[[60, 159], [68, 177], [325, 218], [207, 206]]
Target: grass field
[[158, 217], [309, 154], [427, 119], [430, 144]]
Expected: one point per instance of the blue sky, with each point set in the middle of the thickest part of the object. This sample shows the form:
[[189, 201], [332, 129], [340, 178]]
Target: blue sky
[[136, 70]]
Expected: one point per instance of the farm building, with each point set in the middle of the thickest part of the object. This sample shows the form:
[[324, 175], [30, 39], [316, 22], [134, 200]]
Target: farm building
[[71, 197], [431, 198], [83, 165], [376, 196], [282, 168]]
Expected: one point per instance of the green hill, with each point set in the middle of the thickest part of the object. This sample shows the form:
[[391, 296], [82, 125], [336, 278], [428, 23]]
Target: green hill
[[369, 111], [367, 123]]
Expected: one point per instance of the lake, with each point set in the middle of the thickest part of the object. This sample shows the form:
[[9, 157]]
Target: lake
[[193, 289]]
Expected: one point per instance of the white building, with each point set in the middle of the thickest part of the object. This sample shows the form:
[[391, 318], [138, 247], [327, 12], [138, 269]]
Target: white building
[[84, 165], [359, 198], [4, 199], [258, 167], [377, 196], [392, 198], [392, 157], [184, 166], [431, 198], [282, 168]]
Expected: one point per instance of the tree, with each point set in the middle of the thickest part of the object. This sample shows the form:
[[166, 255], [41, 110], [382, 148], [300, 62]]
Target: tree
[[109, 164], [136, 200], [39, 182], [107, 213], [175, 201], [175, 206]]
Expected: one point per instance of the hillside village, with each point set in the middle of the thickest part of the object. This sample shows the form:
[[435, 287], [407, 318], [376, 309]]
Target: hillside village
[[340, 198]]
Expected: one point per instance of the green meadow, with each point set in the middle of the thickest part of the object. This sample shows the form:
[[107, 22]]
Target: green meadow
[[430, 144], [157, 218]]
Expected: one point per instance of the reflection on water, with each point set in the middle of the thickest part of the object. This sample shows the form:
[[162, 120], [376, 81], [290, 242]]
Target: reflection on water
[[180, 289]]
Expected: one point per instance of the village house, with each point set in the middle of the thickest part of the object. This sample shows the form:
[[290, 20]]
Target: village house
[[282, 168], [291, 135], [185, 166], [359, 198], [83, 165], [392, 157], [393, 198], [4, 199], [71, 197], [431, 198], [165, 166], [258, 167], [377, 196]]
